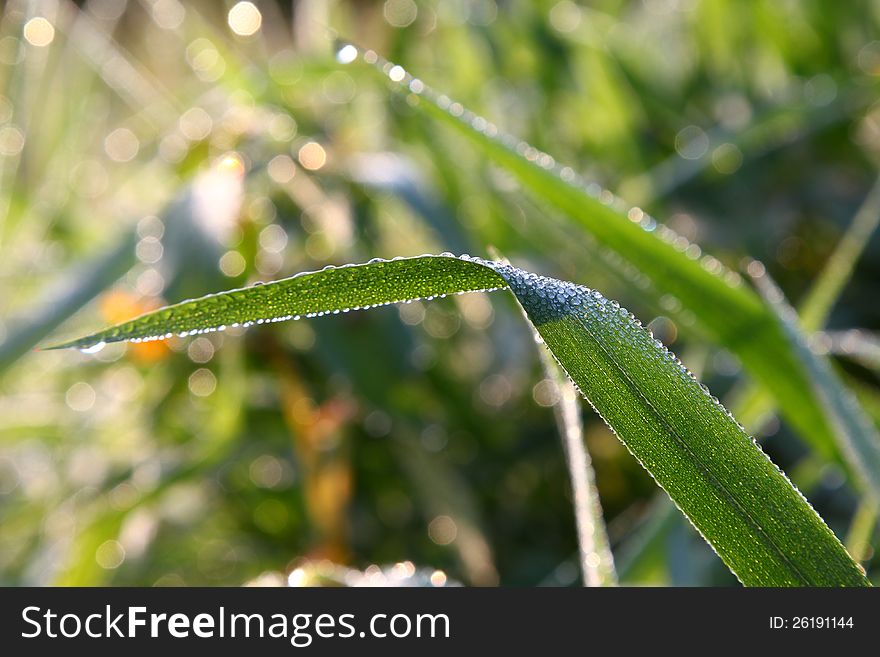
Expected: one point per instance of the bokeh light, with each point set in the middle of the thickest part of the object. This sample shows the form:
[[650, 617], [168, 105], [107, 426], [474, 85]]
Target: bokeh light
[[39, 32], [244, 18], [312, 156]]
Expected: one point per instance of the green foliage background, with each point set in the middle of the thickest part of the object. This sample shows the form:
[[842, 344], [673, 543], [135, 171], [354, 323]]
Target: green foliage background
[[149, 154]]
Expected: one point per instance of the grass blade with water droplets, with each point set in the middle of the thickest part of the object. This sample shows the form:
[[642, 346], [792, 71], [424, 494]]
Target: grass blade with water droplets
[[759, 524], [332, 290], [739, 501]]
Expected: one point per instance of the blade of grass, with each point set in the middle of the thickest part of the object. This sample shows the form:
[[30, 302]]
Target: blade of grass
[[861, 531], [817, 305], [743, 505], [858, 435], [597, 562]]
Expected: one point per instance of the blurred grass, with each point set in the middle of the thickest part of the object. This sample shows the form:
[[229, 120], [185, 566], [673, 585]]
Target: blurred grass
[[751, 129]]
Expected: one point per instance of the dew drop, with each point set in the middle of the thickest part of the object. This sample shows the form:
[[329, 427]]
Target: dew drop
[[95, 348]]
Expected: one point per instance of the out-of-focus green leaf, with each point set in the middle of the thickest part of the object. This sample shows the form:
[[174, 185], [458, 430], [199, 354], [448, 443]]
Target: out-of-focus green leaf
[[760, 525], [858, 540], [814, 310], [754, 404], [858, 435], [75, 289], [597, 562], [644, 548]]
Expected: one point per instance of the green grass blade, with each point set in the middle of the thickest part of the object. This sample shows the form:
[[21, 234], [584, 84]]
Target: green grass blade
[[764, 530], [814, 310], [743, 505], [332, 290], [861, 531], [858, 435], [597, 562], [709, 294]]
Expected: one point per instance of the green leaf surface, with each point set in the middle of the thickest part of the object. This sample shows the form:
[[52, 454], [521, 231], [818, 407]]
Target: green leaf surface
[[743, 505], [332, 290], [706, 294]]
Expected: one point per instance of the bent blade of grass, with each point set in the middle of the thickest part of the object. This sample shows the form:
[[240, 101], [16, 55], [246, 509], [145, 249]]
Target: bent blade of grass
[[743, 505], [710, 294], [683, 436]]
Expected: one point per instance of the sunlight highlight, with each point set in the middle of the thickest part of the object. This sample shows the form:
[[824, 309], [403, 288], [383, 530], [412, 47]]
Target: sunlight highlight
[[245, 19], [39, 32]]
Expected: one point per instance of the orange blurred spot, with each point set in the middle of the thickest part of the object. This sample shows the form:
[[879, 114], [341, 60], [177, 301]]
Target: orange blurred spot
[[119, 306]]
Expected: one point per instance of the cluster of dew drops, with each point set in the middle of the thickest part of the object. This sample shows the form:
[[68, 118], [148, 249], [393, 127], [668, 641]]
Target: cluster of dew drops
[[545, 298]]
